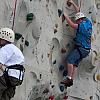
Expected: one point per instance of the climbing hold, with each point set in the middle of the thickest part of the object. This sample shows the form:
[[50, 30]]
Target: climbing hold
[[51, 71], [42, 56], [98, 77], [46, 5], [50, 82], [53, 86], [21, 47], [26, 43], [18, 36], [52, 47], [51, 97], [98, 6], [30, 17], [67, 25], [63, 50], [68, 45], [59, 12], [40, 28], [48, 55], [61, 87], [91, 97], [56, 25], [54, 62], [61, 67], [38, 80], [22, 39], [65, 97], [55, 30], [65, 72], [46, 91], [90, 12], [40, 76]]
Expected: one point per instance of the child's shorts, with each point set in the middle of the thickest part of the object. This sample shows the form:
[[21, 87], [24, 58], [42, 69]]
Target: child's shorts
[[76, 55]]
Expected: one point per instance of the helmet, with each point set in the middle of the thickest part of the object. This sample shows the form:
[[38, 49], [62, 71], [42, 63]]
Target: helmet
[[7, 34], [79, 15]]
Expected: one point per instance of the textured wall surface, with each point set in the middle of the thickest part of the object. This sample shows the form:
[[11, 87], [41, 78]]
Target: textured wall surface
[[45, 41]]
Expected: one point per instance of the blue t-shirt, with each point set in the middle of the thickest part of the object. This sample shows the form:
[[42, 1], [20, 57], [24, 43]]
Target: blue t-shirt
[[83, 34]]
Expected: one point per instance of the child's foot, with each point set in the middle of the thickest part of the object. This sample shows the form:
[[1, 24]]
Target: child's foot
[[67, 82]]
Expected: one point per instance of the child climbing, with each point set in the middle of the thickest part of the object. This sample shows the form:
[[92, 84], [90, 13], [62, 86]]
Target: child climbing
[[83, 27], [12, 59]]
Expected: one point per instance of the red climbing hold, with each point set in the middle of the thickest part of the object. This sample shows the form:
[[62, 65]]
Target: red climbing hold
[[51, 97], [65, 97]]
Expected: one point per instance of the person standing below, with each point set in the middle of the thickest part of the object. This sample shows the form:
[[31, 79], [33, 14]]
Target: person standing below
[[83, 27], [12, 59]]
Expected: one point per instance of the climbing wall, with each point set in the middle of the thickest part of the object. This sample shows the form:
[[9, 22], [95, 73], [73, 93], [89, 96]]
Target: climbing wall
[[45, 42]]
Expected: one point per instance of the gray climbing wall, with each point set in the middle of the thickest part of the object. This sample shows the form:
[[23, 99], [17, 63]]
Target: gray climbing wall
[[45, 41]]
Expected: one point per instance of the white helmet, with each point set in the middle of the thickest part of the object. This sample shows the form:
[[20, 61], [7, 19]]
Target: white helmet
[[79, 15], [7, 34]]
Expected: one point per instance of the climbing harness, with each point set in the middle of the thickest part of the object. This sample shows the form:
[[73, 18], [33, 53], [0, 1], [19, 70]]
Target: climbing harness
[[14, 67]]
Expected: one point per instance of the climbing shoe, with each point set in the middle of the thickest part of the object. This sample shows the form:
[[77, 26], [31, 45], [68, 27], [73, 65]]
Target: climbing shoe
[[67, 82]]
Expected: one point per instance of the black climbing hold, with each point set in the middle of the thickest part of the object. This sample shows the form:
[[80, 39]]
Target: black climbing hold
[[67, 25], [55, 30], [26, 43], [65, 72], [90, 12], [46, 91], [50, 82], [53, 86], [18, 36], [21, 47], [68, 45], [22, 39], [29, 17], [63, 50], [40, 76], [51, 71], [52, 47], [91, 97], [59, 12], [54, 62], [61, 67]]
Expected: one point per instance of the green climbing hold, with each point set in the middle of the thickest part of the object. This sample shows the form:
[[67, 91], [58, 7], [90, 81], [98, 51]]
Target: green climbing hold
[[30, 17], [18, 36]]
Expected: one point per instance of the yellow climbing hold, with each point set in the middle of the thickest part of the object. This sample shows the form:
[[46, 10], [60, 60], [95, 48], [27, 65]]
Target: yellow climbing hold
[[98, 77]]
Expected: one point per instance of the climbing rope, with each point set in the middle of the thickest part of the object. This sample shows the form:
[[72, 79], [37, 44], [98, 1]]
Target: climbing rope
[[14, 12], [80, 3]]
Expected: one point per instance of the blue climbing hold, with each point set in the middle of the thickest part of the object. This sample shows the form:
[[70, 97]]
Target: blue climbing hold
[[61, 67], [61, 87], [65, 72]]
